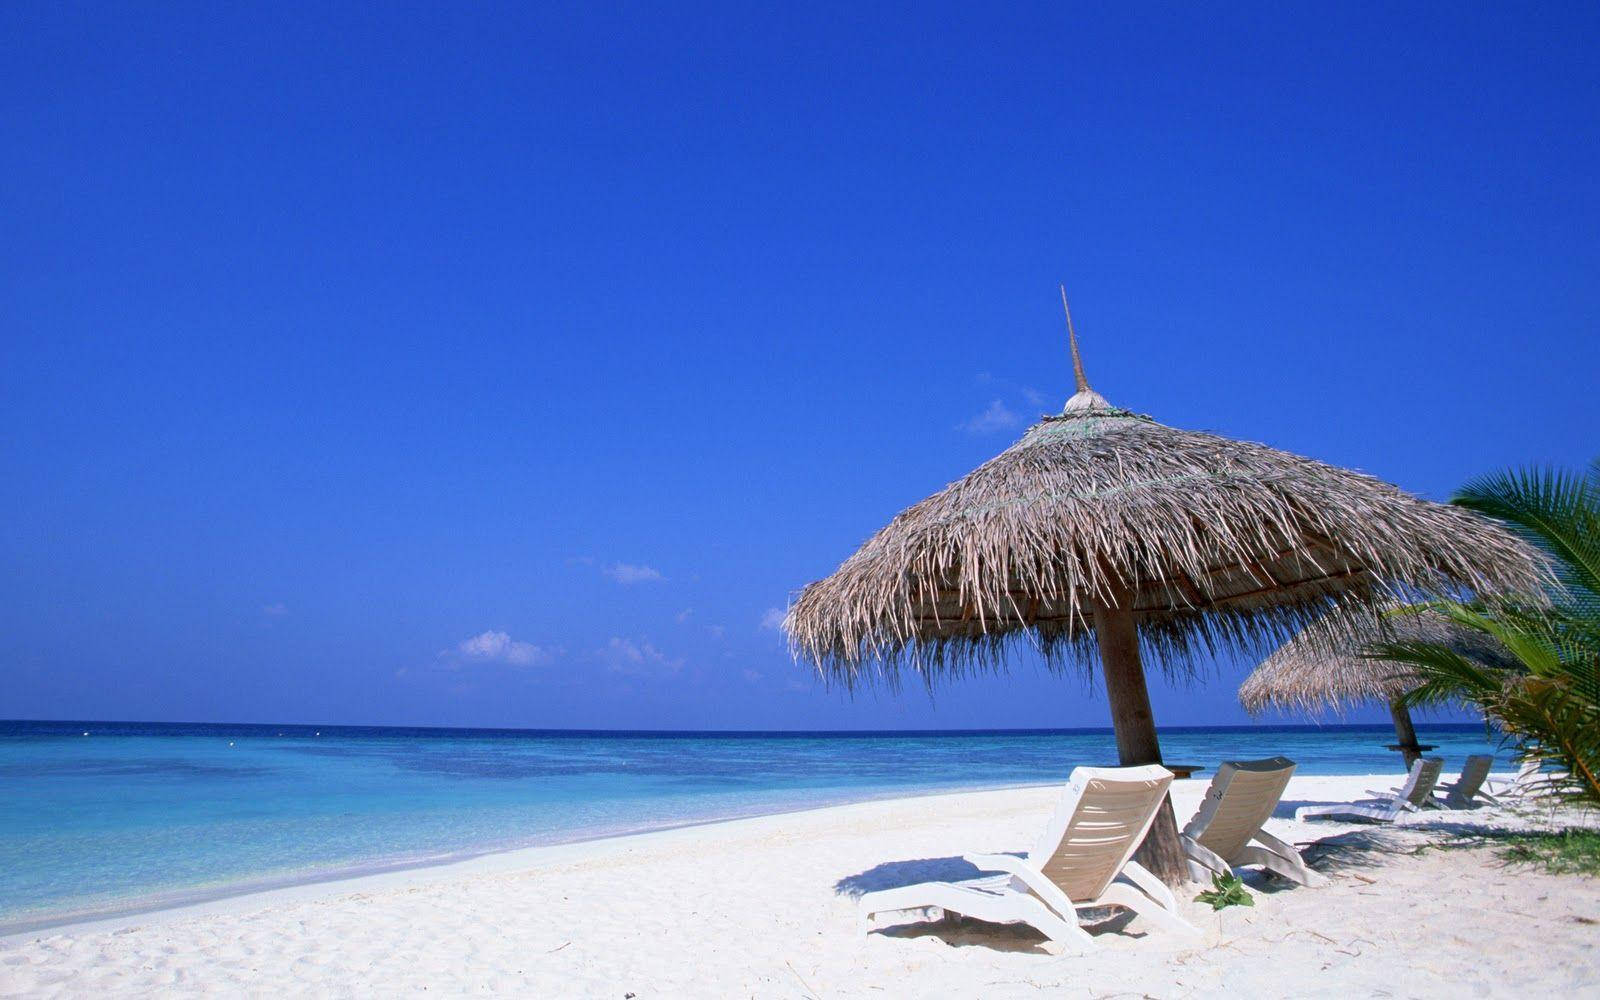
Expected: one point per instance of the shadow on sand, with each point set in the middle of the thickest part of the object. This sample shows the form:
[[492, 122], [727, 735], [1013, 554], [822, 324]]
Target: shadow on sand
[[894, 874], [1286, 807]]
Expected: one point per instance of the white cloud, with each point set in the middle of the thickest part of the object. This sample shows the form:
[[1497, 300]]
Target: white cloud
[[753, 676], [276, 610], [627, 573], [997, 417], [629, 657], [684, 615], [772, 619], [498, 647]]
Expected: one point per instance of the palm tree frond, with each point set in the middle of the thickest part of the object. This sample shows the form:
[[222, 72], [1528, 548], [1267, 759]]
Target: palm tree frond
[[1546, 696], [1556, 510]]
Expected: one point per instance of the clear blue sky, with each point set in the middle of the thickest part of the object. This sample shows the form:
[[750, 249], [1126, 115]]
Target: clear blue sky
[[507, 365]]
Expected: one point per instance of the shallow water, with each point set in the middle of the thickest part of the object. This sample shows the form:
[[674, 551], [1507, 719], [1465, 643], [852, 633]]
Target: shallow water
[[136, 815]]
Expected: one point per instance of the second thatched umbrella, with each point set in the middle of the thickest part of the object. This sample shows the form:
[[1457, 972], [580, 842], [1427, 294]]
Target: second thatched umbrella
[[1104, 530], [1325, 667]]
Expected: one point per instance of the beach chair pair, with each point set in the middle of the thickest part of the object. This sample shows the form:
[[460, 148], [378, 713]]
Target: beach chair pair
[[1415, 795], [1083, 860]]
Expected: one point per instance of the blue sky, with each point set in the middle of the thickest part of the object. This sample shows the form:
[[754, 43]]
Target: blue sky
[[509, 365]]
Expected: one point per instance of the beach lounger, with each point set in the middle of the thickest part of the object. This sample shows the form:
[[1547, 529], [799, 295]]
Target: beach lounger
[[1468, 785], [1386, 807], [1226, 831], [1529, 775], [1082, 861]]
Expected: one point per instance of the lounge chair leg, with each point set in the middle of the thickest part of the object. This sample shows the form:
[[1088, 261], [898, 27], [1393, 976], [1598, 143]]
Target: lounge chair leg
[[1204, 864], [1127, 897], [1063, 932], [1301, 872], [894, 900], [1275, 862], [1149, 884], [1281, 857]]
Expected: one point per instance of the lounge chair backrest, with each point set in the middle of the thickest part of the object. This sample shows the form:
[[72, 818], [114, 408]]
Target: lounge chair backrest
[[1420, 783], [1242, 796], [1473, 773], [1103, 815]]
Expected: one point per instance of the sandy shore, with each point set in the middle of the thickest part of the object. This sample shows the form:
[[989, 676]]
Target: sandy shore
[[765, 908]]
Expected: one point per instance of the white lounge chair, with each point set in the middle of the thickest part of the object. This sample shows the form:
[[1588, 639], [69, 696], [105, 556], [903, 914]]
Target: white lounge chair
[[1468, 785], [1082, 861], [1529, 776], [1386, 807], [1227, 832]]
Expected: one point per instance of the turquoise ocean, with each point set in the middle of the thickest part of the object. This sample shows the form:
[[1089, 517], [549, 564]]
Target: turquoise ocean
[[100, 818]]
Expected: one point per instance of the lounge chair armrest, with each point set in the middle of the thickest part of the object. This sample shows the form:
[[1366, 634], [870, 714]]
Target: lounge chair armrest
[[1393, 799], [1292, 862], [1029, 876], [1150, 885], [994, 862], [1205, 856], [1281, 848]]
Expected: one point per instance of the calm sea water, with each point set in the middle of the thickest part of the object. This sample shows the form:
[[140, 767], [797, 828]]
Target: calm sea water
[[98, 818]]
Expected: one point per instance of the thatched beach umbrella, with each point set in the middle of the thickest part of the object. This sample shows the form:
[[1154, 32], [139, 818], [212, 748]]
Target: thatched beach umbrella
[[1104, 531], [1325, 668]]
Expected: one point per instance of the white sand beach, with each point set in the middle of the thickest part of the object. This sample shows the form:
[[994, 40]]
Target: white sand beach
[[766, 908]]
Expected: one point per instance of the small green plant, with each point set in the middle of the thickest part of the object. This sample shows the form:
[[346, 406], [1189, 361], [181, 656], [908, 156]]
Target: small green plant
[[1226, 890]]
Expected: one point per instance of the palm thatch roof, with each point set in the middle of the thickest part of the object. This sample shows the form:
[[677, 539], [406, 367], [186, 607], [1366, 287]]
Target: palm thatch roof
[[1222, 543], [1324, 667]]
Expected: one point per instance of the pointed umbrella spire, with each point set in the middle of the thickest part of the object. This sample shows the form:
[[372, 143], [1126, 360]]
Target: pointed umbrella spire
[[1072, 338], [1085, 398]]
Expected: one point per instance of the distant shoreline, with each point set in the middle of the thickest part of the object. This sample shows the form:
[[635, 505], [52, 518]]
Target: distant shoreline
[[72, 727]]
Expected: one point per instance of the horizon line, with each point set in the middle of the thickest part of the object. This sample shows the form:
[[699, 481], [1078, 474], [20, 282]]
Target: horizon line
[[1101, 730]]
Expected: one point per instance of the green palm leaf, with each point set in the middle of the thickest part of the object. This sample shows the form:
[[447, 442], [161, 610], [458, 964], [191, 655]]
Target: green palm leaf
[[1555, 510], [1545, 693]]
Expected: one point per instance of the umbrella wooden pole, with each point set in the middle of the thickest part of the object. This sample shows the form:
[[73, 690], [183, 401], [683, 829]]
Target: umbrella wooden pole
[[1405, 733], [1135, 725]]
